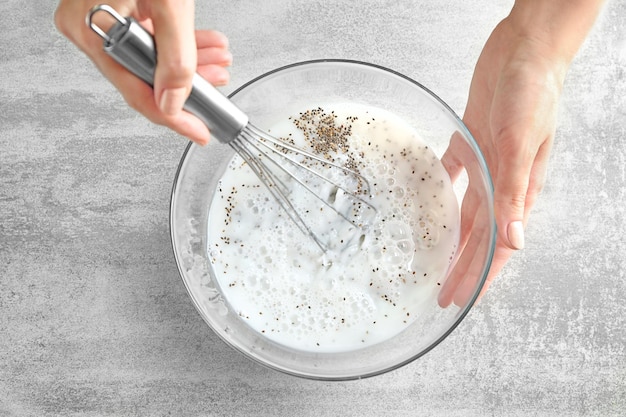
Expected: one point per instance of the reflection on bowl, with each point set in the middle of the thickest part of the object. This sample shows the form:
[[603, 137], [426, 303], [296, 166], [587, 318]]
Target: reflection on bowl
[[384, 299]]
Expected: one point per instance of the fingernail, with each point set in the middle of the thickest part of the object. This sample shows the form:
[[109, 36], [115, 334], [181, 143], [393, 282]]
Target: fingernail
[[515, 233], [172, 100], [227, 59], [221, 78], [201, 141]]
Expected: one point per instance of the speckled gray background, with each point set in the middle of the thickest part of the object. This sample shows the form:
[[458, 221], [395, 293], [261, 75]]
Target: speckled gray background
[[94, 319]]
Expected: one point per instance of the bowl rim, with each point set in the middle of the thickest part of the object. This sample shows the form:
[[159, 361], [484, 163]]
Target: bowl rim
[[492, 236]]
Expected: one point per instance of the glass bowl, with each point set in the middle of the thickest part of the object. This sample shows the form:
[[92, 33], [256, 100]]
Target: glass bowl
[[271, 98]]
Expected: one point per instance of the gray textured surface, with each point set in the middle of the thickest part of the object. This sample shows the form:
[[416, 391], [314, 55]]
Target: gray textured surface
[[94, 319]]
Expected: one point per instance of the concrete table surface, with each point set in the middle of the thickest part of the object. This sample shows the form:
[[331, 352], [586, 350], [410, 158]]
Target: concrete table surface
[[95, 321]]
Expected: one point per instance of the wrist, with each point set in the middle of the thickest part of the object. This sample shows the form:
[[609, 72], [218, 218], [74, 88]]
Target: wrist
[[557, 28]]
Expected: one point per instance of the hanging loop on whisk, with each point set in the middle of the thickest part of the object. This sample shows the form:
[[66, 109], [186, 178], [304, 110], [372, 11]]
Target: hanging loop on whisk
[[111, 11]]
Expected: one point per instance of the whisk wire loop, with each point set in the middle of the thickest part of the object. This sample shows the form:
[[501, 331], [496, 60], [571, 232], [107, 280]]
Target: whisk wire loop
[[259, 150], [276, 188]]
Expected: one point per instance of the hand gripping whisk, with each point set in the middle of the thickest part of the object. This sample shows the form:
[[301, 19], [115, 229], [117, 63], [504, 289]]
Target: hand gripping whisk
[[269, 158]]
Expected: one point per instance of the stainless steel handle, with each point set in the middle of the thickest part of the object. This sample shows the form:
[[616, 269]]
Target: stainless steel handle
[[133, 47]]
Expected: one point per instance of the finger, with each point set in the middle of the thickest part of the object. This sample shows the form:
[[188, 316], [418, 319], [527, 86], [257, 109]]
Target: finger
[[476, 268], [457, 268], [463, 273], [213, 48], [215, 74], [471, 253], [537, 176], [140, 97], [472, 264], [455, 276], [213, 56], [175, 42], [510, 189], [455, 155], [211, 39], [500, 257], [189, 126]]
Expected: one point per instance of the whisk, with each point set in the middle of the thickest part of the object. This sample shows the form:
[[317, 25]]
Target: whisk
[[269, 158]]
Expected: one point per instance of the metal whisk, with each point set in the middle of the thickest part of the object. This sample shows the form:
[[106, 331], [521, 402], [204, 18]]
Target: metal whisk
[[269, 158]]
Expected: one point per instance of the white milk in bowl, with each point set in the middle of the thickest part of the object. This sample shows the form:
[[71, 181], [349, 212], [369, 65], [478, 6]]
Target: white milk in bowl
[[373, 281]]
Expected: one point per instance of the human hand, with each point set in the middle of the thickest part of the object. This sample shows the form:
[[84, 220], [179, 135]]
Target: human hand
[[182, 52], [511, 112]]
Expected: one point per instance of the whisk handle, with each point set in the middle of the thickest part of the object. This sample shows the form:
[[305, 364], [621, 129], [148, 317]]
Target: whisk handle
[[133, 47]]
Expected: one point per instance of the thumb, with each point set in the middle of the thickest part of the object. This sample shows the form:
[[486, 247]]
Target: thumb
[[510, 191], [174, 35]]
